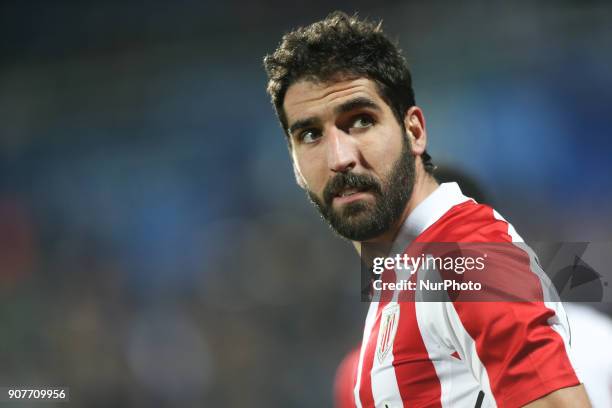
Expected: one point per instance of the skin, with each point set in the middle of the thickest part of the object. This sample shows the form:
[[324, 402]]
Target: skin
[[365, 140], [565, 397], [326, 139]]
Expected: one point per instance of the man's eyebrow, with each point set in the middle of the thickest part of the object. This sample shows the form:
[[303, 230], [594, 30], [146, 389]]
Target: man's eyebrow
[[302, 123], [356, 103], [348, 106]]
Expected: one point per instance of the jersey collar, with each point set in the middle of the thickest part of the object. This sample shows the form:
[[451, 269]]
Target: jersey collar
[[430, 210]]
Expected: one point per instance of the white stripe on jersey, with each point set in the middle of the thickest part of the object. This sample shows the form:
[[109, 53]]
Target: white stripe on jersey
[[384, 382]]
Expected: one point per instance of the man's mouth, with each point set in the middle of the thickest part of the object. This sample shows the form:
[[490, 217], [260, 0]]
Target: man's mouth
[[349, 195], [348, 188], [348, 192]]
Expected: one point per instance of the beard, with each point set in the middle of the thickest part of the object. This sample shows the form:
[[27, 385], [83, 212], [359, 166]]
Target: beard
[[363, 221]]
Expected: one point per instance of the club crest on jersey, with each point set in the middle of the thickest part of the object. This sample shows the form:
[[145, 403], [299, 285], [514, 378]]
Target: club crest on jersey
[[389, 319]]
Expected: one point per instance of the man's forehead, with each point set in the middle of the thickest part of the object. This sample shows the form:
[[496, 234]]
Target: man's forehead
[[311, 96]]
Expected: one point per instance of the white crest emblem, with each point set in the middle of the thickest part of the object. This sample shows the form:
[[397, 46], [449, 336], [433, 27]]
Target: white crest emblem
[[389, 319]]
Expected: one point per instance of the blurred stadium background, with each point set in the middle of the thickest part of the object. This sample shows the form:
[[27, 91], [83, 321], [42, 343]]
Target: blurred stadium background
[[154, 248]]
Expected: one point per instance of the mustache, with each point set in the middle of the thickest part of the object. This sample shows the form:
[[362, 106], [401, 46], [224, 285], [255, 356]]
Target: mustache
[[344, 181]]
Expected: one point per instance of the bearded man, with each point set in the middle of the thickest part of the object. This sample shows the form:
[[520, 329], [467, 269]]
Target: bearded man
[[343, 95]]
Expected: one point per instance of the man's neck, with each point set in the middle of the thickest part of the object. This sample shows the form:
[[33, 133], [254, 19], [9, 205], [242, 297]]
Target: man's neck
[[424, 185]]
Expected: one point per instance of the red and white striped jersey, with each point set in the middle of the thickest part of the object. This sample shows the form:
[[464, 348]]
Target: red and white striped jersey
[[461, 354]]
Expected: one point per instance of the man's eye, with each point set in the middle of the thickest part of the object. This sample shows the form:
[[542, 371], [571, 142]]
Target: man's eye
[[309, 136], [363, 121]]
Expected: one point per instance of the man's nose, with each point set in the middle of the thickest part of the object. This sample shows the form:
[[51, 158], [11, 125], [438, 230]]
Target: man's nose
[[342, 151]]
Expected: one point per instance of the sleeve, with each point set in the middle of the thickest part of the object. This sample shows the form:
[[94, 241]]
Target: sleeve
[[512, 349], [517, 349], [345, 379]]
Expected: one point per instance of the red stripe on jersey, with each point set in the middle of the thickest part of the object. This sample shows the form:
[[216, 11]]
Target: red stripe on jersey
[[384, 338], [416, 376]]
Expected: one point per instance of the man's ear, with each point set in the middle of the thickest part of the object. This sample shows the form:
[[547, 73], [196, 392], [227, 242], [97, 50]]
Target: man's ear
[[414, 121]]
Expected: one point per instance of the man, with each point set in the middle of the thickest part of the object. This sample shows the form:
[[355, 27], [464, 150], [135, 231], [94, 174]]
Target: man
[[343, 95]]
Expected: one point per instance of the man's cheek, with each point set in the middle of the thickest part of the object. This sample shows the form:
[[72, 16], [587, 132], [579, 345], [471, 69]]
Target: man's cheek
[[299, 175], [309, 177]]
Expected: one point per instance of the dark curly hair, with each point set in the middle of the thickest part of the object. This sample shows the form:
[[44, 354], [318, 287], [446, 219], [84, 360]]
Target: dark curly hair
[[341, 46]]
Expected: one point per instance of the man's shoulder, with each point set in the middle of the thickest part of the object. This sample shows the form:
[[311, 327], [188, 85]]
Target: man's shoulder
[[468, 222]]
